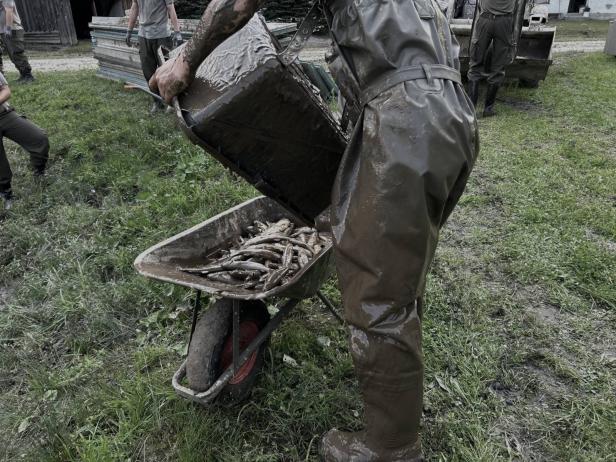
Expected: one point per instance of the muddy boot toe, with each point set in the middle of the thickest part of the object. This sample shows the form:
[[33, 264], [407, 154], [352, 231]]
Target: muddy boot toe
[[339, 446]]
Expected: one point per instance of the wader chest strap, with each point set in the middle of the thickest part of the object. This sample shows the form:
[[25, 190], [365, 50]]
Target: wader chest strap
[[425, 71]]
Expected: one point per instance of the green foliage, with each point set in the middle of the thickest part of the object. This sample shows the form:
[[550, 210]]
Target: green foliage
[[518, 327]]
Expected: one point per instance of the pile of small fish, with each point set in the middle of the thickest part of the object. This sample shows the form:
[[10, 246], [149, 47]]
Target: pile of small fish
[[269, 256]]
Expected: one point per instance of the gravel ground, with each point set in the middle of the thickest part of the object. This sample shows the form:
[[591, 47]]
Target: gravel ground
[[314, 52], [73, 63]]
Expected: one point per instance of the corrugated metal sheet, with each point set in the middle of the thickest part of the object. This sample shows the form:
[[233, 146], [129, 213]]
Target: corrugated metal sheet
[[119, 62]]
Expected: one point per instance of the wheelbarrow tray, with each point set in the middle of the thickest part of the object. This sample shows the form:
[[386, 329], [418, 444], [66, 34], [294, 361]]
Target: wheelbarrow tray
[[195, 246]]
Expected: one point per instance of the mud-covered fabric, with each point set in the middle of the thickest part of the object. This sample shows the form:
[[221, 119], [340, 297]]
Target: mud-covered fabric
[[16, 49], [27, 135], [497, 6], [148, 49], [404, 170], [498, 31]]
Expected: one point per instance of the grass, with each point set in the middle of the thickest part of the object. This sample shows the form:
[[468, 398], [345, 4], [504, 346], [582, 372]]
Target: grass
[[569, 30], [519, 324], [83, 48]]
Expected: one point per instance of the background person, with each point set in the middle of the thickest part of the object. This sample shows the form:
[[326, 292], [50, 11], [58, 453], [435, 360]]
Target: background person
[[153, 33], [493, 26], [12, 38], [23, 132], [412, 149]]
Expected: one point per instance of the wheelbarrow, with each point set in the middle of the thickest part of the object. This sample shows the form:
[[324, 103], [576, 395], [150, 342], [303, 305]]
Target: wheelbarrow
[[227, 343], [251, 107]]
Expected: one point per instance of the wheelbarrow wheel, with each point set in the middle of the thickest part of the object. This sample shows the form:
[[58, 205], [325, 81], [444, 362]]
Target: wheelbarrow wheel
[[211, 348]]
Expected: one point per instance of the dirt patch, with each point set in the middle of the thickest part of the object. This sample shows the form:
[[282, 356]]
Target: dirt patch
[[577, 46], [601, 241]]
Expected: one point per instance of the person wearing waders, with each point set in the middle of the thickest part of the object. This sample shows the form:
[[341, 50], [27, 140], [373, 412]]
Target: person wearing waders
[[153, 33], [13, 40], [493, 26], [23, 132], [413, 146]]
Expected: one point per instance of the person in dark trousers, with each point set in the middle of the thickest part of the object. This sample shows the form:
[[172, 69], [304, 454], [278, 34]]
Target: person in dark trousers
[[153, 32], [23, 132], [493, 26], [406, 165], [12, 39]]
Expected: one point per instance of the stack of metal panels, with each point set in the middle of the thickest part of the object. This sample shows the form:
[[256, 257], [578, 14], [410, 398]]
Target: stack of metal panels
[[117, 61], [610, 43]]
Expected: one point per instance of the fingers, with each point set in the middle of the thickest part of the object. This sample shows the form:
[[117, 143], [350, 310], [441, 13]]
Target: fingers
[[153, 83]]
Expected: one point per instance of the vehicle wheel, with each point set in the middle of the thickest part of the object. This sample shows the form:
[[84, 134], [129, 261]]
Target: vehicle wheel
[[529, 83], [211, 348]]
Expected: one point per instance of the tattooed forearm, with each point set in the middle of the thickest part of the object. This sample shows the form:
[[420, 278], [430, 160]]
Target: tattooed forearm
[[221, 19]]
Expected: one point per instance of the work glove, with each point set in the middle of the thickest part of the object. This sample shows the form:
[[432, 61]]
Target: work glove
[[129, 34], [177, 39]]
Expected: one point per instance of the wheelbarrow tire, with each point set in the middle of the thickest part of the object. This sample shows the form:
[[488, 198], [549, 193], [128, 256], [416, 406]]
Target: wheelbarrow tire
[[212, 338], [206, 344], [254, 313]]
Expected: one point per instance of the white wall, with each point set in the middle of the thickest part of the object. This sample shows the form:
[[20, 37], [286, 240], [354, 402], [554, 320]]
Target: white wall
[[558, 6], [605, 8], [602, 6]]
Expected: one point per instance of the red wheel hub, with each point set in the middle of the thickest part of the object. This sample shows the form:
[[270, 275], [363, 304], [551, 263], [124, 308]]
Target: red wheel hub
[[248, 331]]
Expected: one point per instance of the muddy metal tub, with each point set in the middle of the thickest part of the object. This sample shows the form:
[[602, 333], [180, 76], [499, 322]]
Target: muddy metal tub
[[252, 107]]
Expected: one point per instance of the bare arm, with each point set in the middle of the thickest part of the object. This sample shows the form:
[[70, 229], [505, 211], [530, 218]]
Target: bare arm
[[5, 94], [132, 15], [173, 17], [221, 19], [8, 18]]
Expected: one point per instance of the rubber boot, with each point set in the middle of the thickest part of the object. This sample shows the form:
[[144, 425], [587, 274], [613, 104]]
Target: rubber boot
[[473, 91], [6, 198], [488, 109], [26, 78], [389, 366]]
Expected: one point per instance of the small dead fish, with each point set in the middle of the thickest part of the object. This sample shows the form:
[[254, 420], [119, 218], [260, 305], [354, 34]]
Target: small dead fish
[[259, 253], [287, 256], [222, 277], [303, 230], [283, 226], [302, 260], [227, 266], [274, 278], [243, 275], [312, 240]]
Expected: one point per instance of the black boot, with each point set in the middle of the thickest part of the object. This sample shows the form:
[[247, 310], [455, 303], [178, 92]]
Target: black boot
[[26, 78], [488, 109], [473, 91], [6, 198]]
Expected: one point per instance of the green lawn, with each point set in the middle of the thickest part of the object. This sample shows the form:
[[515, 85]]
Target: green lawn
[[568, 30], [520, 324]]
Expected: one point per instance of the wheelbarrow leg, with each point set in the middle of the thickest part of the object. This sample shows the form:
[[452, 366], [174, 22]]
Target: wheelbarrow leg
[[196, 309], [330, 306], [236, 335]]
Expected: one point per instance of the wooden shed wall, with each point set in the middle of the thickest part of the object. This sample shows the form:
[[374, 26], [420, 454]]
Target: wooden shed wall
[[47, 22]]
